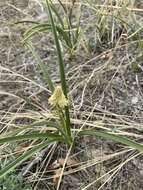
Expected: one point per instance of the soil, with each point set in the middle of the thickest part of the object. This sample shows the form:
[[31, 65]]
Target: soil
[[102, 81]]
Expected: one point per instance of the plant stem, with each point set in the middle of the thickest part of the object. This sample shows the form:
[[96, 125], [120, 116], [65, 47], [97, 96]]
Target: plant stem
[[61, 67]]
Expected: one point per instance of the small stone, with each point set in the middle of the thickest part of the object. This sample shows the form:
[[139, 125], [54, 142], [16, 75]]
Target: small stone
[[134, 100]]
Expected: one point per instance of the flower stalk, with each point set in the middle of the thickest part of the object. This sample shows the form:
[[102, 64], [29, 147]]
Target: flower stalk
[[62, 72], [59, 102]]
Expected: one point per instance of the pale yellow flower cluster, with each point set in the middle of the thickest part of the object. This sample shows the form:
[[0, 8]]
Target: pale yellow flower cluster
[[58, 98]]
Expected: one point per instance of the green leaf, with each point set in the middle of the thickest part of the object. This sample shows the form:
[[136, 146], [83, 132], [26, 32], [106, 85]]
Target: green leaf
[[40, 27], [61, 66], [114, 137], [57, 14], [43, 27], [8, 168], [30, 137], [59, 52], [65, 36], [24, 128]]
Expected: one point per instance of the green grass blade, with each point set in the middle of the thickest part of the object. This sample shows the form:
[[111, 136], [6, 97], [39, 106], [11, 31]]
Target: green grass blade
[[41, 27], [61, 66], [43, 67], [60, 20], [30, 137], [114, 137], [8, 168], [26, 21], [65, 36], [59, 52], [34, 125]]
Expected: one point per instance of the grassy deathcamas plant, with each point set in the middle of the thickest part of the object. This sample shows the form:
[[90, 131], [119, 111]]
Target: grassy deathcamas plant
[[60, 103]]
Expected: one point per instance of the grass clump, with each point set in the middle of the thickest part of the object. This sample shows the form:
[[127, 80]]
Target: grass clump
[[59, 125], [13, 182]]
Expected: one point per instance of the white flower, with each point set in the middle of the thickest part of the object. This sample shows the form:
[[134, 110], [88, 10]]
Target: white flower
[[58, 98]]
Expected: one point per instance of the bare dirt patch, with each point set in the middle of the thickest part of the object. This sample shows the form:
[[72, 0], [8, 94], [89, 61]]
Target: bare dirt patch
[[103, 86]]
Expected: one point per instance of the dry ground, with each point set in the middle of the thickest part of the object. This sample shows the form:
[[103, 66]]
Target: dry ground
[[105, 90]]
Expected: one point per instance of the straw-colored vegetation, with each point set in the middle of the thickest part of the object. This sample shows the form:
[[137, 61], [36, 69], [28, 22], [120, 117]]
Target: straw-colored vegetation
[[74, 27]]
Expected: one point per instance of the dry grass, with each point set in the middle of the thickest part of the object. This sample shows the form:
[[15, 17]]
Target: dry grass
[[105, 82]]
